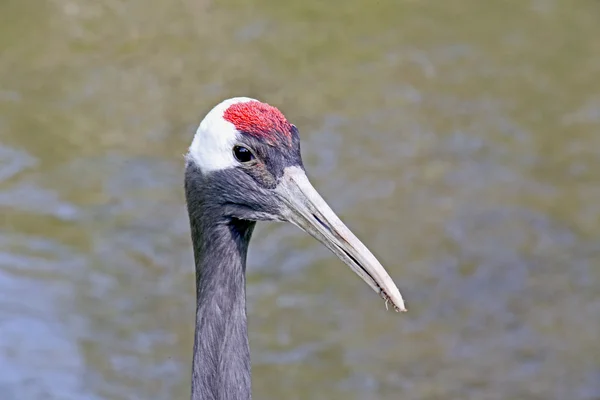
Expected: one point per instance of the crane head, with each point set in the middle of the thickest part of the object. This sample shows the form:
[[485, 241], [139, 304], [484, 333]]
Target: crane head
[[246, 156]]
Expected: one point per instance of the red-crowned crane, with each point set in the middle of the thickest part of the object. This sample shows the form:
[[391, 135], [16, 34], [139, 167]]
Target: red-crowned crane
[[243, 166]]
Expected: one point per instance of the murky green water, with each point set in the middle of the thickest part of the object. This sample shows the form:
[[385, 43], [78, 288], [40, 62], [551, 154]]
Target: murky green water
[[460, 140]]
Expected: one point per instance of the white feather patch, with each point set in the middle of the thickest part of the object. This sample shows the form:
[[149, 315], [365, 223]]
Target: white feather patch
[[213, 142]]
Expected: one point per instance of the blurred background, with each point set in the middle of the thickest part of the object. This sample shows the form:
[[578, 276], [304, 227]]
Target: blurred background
[[459, 139]]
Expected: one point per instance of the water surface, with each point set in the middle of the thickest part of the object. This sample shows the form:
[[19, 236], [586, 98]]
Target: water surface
[[460, 140]]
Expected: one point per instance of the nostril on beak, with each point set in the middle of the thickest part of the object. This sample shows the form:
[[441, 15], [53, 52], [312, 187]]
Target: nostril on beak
[[322, 223]]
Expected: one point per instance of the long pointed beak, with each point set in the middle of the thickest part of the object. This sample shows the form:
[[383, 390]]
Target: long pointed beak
[[306, 209]]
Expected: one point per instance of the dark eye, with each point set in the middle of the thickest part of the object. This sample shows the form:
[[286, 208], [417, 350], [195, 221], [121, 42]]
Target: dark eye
[[242, 154]]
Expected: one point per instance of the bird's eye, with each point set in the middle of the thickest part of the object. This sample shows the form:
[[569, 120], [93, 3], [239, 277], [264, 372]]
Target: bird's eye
[[242, 154]]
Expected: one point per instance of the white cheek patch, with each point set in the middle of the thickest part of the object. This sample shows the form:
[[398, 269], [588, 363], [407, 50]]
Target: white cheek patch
[[211, 149]]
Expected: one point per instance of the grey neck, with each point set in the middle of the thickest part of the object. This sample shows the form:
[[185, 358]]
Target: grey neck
[[221, 364]]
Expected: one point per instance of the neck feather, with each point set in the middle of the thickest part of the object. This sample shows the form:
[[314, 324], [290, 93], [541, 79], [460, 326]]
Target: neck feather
[[221, 363]]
